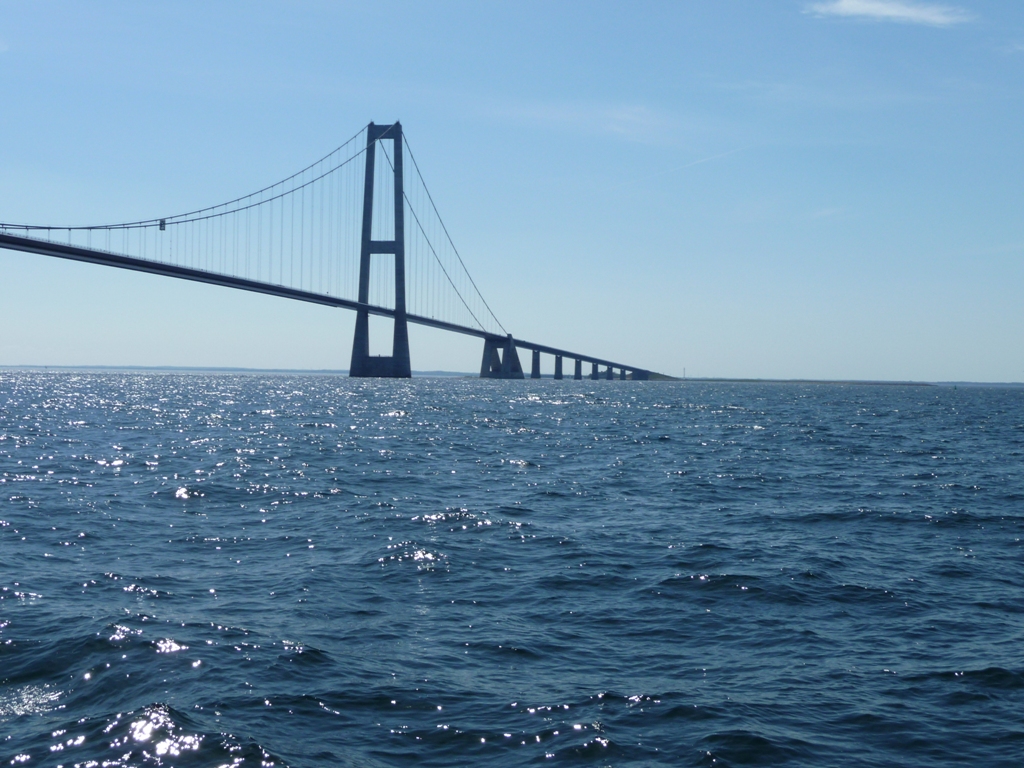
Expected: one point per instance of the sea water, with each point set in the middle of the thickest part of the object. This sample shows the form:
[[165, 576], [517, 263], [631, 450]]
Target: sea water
[[249, 570]]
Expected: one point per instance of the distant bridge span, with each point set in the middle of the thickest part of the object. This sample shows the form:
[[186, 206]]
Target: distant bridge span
[[217, 246]]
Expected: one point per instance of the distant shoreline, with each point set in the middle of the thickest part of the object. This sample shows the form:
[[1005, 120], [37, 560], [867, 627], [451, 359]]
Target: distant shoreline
[[466, 374]]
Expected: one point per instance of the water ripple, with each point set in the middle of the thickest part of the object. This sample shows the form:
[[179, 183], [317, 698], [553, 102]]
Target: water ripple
[[310, 570]]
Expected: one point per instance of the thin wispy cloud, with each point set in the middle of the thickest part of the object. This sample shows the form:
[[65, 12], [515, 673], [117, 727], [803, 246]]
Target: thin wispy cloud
[[630, 122], [696, 162], [828, 213], [905, 11], [631, 182]]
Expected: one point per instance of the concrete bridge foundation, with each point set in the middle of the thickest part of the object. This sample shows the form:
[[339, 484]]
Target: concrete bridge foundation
[[501, 360]]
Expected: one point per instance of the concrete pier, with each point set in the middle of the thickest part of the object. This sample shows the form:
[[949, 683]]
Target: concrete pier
[[500, 360]]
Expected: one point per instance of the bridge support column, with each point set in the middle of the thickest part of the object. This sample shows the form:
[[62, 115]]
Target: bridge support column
[[535, 367], [558, 366], [609, 374], [641, 375], [501, 360], [594, 374], [398, 365], [578, 373], [490, 366], [622, 374]]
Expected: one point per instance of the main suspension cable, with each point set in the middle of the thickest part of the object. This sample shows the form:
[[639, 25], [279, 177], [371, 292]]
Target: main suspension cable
[[183, 218], [437, 258], [456, 250]]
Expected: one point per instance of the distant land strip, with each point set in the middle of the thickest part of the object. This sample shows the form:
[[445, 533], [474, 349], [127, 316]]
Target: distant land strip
[[467, 375]]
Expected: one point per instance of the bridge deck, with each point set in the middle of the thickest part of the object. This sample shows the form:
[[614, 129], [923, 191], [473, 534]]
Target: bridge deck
[[95, 256]]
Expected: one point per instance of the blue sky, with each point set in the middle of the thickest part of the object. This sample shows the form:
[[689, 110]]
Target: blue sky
[[746, 189]]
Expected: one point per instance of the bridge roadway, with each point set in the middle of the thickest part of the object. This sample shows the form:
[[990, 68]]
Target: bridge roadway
[[95, 256]]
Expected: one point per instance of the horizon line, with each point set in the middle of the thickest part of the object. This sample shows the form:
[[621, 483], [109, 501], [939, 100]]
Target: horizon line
[[468, 374]]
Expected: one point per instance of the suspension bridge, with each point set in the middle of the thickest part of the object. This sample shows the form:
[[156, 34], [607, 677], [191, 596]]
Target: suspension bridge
[[357, 229]]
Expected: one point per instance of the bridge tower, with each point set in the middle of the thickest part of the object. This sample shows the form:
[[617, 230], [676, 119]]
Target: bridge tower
[[398, 365]]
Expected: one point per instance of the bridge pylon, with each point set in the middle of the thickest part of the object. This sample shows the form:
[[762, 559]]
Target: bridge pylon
[[398, 365]]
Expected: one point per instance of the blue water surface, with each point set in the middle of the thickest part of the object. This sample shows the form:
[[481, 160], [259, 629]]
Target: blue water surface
[[248, 570]]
